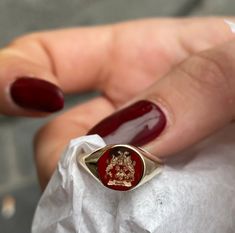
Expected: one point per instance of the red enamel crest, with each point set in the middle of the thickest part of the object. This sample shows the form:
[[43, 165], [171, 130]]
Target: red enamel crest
[[120, 168]]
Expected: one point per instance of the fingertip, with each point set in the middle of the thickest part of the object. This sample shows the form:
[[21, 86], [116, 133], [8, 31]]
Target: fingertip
[[137, 124], [37, 94], [27, 88]]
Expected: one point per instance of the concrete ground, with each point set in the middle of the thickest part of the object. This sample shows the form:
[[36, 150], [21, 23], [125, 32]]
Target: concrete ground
[[18, 182]]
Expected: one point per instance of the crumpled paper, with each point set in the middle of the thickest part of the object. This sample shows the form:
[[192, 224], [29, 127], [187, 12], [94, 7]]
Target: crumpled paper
[[195, 193]]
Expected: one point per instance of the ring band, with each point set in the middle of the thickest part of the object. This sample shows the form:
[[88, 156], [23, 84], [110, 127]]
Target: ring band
[[120, 167]]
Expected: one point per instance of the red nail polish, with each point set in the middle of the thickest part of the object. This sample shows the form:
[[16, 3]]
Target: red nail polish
[[37, 94], [137, 124]]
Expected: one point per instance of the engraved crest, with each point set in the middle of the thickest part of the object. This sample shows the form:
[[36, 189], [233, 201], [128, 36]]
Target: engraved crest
[[120, 169]]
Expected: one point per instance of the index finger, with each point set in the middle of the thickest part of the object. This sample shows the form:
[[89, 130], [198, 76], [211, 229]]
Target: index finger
[[35, 70], [102, 57]]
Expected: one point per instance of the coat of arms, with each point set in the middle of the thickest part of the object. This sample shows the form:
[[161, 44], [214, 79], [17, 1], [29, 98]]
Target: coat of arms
[[120, 169]]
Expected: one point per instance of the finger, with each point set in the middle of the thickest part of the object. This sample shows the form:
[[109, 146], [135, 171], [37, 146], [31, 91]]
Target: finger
[[190, 103], [97, 58], [179, 110], [53, 137], [31, 73]]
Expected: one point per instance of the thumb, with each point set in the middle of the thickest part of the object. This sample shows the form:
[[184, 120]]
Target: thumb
[[190, 103]]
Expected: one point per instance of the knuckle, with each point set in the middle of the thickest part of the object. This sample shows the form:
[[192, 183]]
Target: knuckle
[[43, 136], [39, 138], [211, 74], [45, 148], [46, 132], [206, 73], [23, 39]]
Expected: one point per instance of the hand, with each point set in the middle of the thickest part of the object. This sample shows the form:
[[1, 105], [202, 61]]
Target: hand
[[183, 68]]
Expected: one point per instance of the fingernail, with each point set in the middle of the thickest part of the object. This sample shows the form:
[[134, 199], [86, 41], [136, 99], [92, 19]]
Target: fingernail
[[137, 124], [37, 94]]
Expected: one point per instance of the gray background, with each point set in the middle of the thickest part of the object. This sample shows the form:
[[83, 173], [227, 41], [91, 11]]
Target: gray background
[[17, 172]]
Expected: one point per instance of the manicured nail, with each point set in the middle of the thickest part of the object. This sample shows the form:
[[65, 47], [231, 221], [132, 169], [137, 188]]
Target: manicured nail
[[37, 94], [137, 124]]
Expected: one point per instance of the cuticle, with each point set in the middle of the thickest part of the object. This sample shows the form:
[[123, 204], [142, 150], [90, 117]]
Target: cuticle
[[161, 103]]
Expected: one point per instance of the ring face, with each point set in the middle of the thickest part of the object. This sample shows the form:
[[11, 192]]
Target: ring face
[[120, 168]]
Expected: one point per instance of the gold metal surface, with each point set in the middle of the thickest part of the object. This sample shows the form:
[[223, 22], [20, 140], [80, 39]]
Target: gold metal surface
[[151, 168]]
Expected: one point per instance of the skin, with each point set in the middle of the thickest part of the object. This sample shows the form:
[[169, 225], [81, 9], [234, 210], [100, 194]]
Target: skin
[[186, 66]]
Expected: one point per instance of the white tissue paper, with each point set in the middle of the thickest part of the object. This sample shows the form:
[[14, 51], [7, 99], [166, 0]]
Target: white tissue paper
[[195, 193]]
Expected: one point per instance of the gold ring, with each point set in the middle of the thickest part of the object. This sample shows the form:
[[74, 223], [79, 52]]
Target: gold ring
[[120, 167]]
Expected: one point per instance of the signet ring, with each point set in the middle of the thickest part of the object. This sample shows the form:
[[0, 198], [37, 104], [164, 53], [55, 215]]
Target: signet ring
[[120, 167]]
